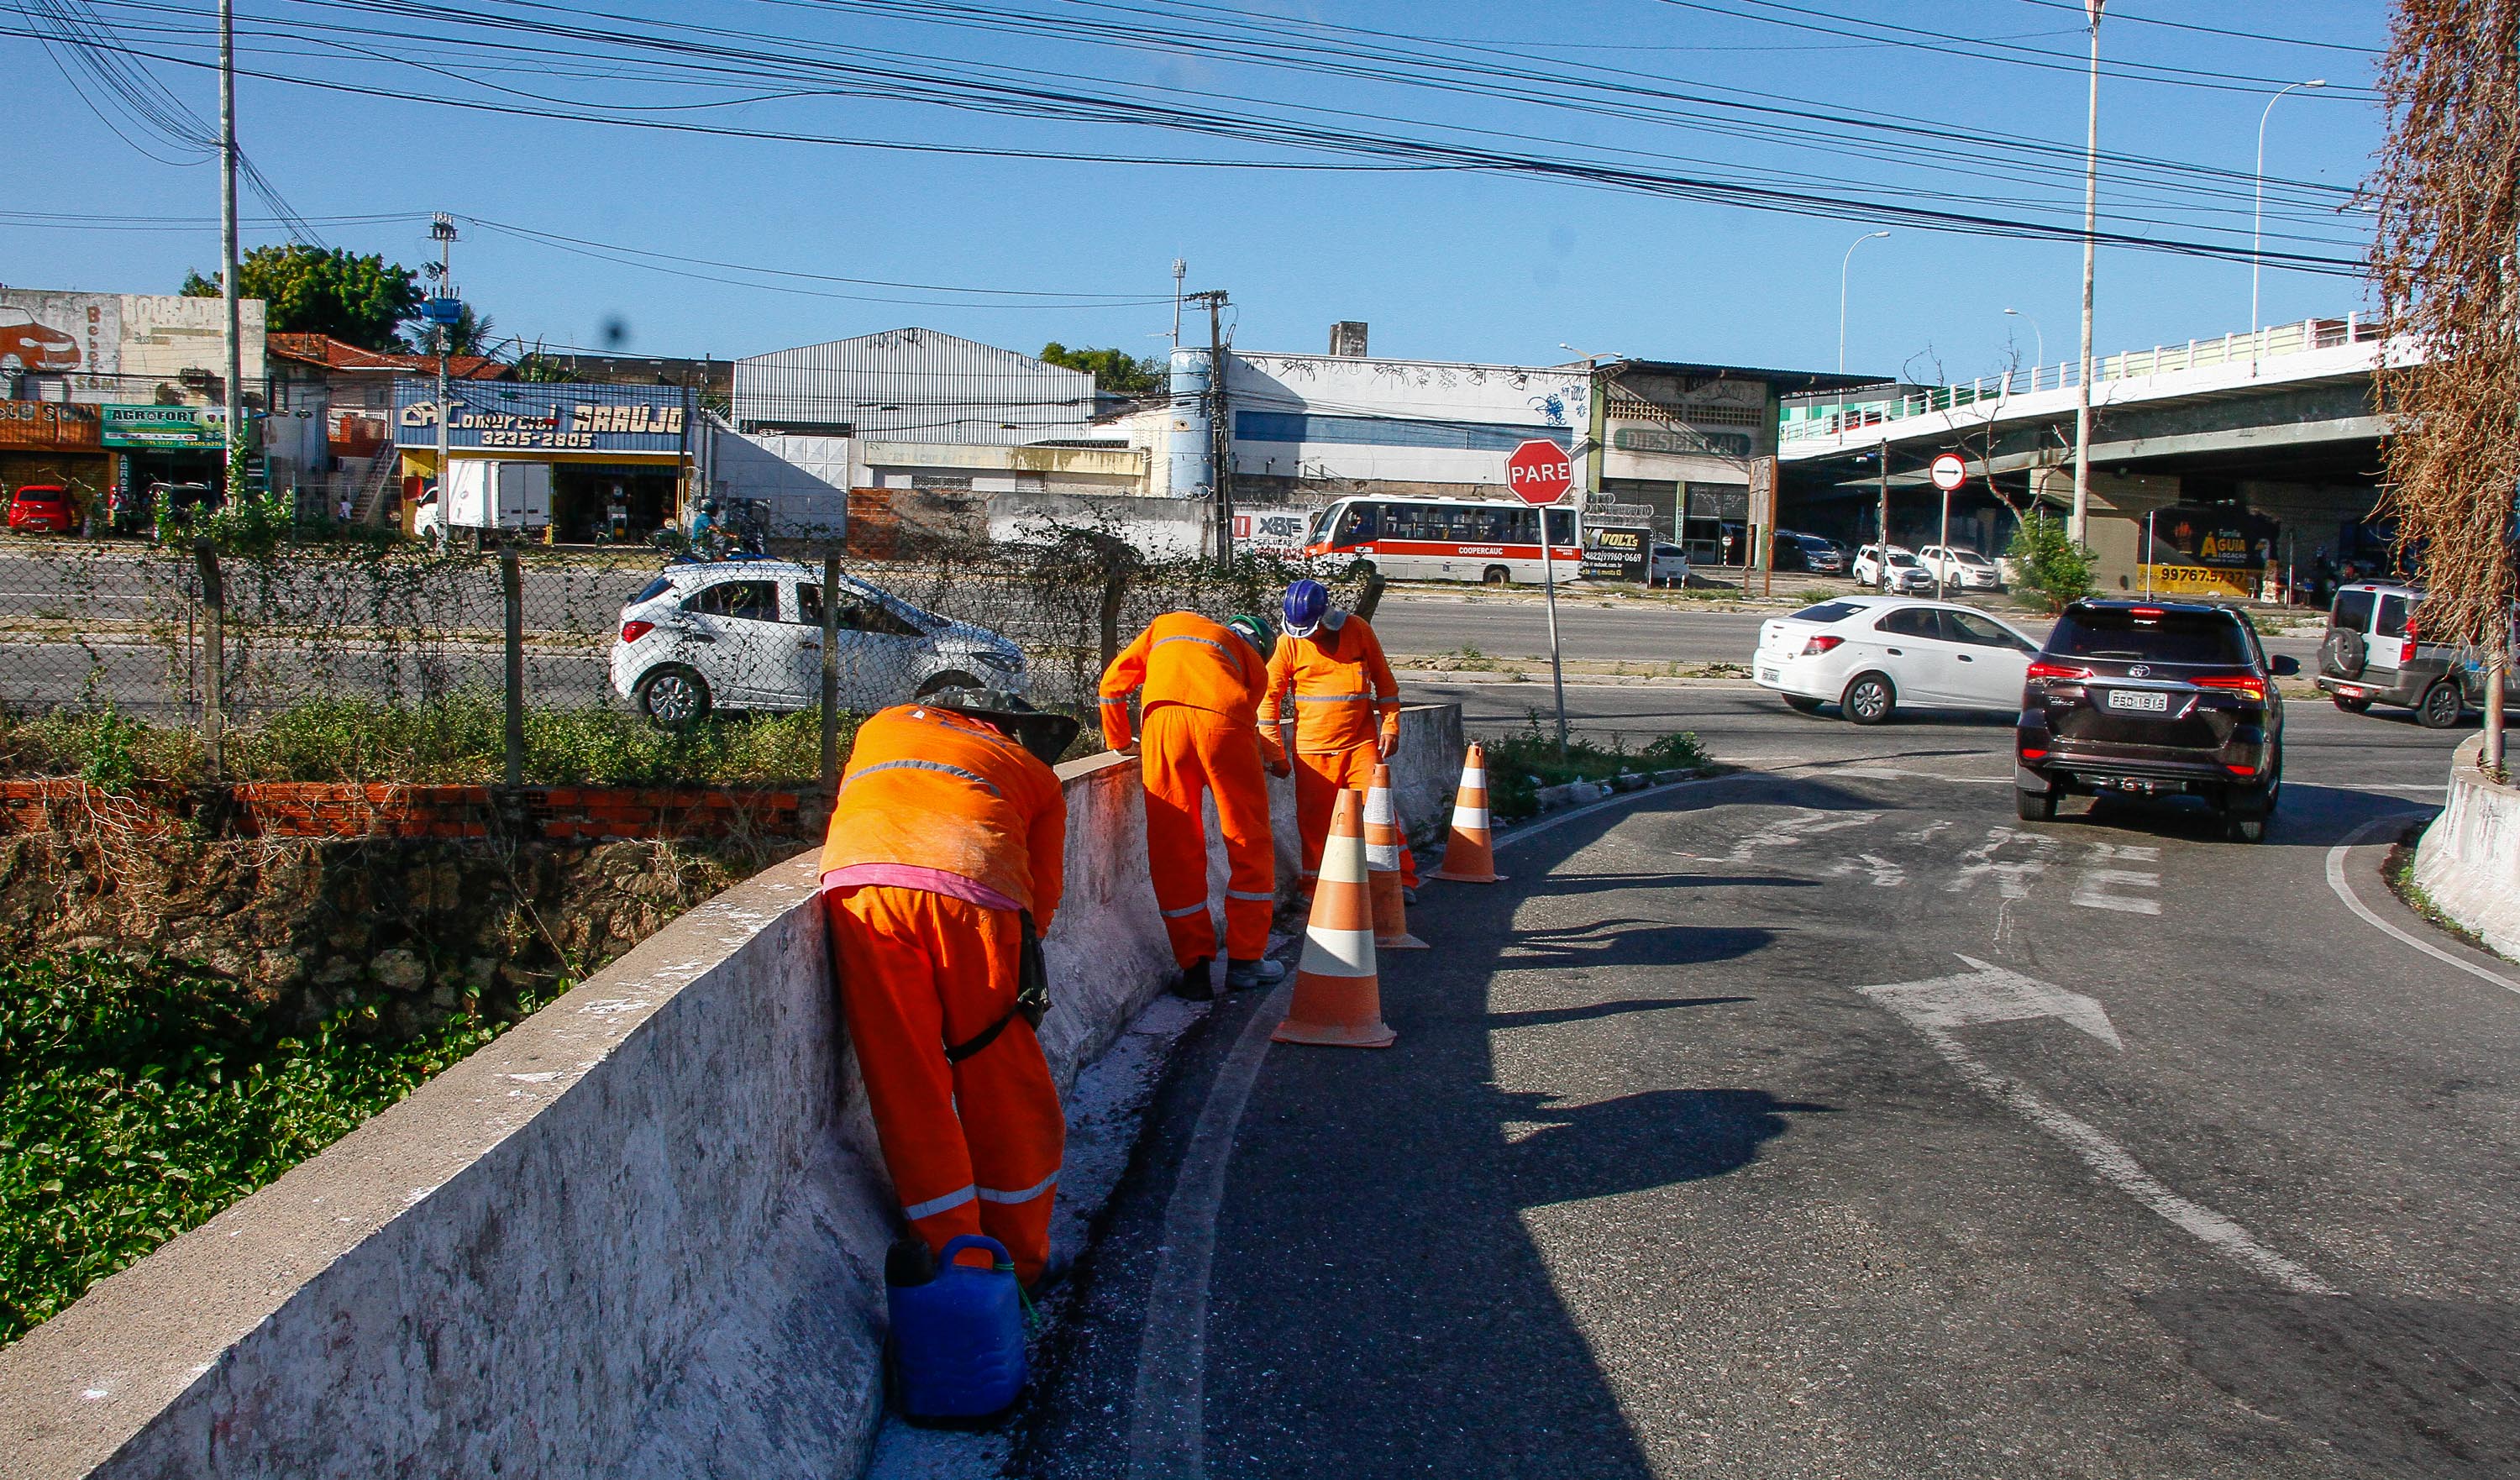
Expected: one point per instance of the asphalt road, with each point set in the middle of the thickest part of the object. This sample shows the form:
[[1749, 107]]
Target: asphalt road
[[2152, 1158], [1514, 626]]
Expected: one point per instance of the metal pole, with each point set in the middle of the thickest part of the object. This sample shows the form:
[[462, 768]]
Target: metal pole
[[1556, 674], [2079, 528], [831, 698], [2146, 561], [1842, 266], [233, 323], [512, 597], [1220, 435], [2497, 666], [2258, 208], [1178, 268], [443, 229], [1944, 539], [214, 657], [1881, 541]]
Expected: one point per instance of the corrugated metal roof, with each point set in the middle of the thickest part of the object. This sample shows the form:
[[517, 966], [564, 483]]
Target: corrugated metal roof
[[914, 385]]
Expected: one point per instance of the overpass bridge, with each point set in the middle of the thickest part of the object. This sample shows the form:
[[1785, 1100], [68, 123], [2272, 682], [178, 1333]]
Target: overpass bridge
[[2278, 423]]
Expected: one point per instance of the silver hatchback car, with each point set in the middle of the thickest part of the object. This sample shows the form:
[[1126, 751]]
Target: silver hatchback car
[[749, 635]]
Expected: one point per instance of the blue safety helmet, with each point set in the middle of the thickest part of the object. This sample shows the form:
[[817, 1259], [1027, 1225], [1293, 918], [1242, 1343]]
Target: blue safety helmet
[[1307, 601]]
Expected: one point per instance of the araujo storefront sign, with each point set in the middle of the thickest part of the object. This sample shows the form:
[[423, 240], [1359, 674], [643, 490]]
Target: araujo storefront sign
[[525, 417]]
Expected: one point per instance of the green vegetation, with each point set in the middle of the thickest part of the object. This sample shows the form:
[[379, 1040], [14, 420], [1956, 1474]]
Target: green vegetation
[[460, 740], [2053, 568], [138, 1098], [318, 289], [1519, 764], [1115, 371]]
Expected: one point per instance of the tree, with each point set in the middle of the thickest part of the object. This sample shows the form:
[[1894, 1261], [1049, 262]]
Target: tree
[[476, 334], [2442, 254], [2047, 561], [315, 290], [1114, 371]]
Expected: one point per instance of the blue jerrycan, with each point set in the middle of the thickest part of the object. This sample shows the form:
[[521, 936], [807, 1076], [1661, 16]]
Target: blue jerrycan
[[958, 1339]]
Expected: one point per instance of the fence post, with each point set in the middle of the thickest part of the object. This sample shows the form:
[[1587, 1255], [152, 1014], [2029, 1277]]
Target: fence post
[[831, 698], [512, 592], [1115, 593], [214, 658], [1372, 594]]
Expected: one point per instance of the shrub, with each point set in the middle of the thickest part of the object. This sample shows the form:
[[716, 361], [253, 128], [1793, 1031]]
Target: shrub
[[1521, 763], [139, 1098], [2051, 565]]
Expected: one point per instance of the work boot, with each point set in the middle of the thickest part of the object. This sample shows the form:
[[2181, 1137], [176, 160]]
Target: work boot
[[1243, 976], [1194, 985]]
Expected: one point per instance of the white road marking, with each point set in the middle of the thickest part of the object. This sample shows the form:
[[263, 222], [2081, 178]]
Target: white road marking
[[1988, 993], [2093, 886], [1168, 1413], [1934, 1008], [1785, 832], [2345, 891], [1924, 833], [1885, 874], [2012, 878]]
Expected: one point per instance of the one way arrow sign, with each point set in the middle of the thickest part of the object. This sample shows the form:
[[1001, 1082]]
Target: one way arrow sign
[[1991, 993]]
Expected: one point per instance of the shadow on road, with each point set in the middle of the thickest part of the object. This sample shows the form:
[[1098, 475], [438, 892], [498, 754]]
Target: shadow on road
[[1542, 1018], [2305, 816]]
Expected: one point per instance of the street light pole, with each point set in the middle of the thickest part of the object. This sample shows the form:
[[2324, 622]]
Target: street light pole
[[2079, 528], [2038, 335], [1842, 266], [2257, 210]]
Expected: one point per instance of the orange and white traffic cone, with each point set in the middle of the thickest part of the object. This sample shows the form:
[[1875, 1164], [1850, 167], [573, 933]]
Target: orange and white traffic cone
[[1339, 994], [1382, 866], [1469, 857]]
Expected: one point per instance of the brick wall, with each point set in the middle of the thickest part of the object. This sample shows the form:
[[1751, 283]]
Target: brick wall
[[329, 809]]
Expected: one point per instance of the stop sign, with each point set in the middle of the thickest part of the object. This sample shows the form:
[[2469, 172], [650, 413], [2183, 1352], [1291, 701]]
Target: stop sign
[[1539, 473]]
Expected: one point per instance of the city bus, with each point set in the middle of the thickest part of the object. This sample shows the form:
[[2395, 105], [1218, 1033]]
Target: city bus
[[1488, 540]]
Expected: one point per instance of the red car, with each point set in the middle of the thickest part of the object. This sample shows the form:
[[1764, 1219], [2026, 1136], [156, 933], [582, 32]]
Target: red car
[[41, 509]]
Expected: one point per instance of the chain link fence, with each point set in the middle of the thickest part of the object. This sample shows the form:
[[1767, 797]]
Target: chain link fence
[[252, 662]]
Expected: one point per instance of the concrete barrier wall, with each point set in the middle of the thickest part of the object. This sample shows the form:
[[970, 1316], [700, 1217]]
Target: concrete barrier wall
[[640, 1234], [2468, 863]]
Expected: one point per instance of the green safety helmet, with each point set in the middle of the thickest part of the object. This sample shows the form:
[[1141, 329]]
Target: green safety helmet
[[1255, 630]]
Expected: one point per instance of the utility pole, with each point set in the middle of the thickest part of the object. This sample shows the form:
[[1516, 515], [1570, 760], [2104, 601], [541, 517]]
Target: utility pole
[[1220, 431], [1881, 543], [233, 330], [2079, 528], [442, 228], [1180, 267]]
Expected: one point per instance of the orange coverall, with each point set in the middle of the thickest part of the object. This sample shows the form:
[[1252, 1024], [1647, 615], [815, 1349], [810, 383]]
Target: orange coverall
[[1335, 690], [1202, 686], [943, 829]]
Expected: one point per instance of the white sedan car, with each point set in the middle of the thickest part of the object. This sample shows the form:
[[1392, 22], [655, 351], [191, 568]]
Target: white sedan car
[[1670, 565], [1960, 569], [1870, 654], [1907, 573], [749, 635]]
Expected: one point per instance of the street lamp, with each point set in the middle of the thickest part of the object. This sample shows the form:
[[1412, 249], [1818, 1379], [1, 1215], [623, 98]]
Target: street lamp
[[2040, 337], [1842, 294], [2257, 212]]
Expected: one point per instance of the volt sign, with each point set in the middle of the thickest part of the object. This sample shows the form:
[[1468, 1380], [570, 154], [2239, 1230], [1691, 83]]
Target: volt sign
[[1539, 472]]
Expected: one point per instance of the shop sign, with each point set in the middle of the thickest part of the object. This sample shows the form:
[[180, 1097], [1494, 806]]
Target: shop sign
[[1273, 531], [48, 426], [177, 427], [2201, 580], [1616, 555], [498, 415]]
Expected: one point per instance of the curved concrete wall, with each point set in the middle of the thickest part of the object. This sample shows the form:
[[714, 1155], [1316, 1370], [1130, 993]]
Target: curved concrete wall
[[640, 1234], [2468, 863]]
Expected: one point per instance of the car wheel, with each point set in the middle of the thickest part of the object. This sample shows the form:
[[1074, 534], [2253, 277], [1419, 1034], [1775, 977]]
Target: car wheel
[[1496, 575], [1868, 698], [951, 678], [672, 695], [2352, 706], [2440, 707], [1802, 703], [2035, 806]]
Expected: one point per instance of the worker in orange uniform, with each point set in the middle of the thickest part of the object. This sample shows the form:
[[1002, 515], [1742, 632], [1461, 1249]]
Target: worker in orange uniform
[[942, 867], [1202, 684], [1330, 683]]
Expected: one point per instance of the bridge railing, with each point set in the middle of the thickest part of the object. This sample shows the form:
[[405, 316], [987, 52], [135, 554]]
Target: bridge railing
[[2272, 342]]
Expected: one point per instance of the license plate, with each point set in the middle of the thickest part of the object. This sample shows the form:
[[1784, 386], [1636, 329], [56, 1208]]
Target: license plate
[[2139, 700], [2136, 784], [1767, 675]]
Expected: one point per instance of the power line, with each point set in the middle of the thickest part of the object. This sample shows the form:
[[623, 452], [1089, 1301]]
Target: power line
[[2076, 7]]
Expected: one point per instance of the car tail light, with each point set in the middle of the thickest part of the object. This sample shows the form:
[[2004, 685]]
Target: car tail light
[[632, 631], [2407, 650], [2146, 613], [2236, 683], [2029, 755], [2236, 768], [2056, 671], [1820, 645]]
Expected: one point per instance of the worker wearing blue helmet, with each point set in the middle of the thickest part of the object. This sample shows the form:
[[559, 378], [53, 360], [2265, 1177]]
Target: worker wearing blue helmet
[[1334, 699]]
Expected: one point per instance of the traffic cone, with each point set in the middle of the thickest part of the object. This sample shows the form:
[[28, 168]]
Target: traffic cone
[[1469, 857], [1338, 998], [1382, 866]]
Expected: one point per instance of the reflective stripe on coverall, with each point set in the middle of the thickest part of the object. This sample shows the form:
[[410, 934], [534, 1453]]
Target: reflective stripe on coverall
[[974, 1147], [1203, 687], [1335, 690]]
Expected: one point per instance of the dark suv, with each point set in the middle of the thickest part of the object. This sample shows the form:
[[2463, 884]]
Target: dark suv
[[2151, 699]]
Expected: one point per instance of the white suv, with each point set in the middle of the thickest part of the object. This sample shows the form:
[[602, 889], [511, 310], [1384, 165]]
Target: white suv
[[1960, 569], [749, 635]]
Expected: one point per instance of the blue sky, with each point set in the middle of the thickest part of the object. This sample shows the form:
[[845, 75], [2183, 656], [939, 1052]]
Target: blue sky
[[1446, 265]]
